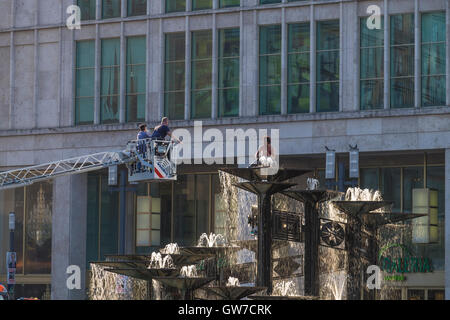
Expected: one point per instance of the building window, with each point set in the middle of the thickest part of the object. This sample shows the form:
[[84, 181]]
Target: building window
[[33, 207], [148, 221], [298, 68], [191, 201], [433, 59], [137, 8], [110, 81], [372, 67], [102, 219], [201, 68], [174, 75], [201, 4], [111, 9], [84, 87], [270, 69], [327, 87], [228, 85], [402, 61], [269, 1], [229, 3], [87, 8], [136, 79], [175, 6]]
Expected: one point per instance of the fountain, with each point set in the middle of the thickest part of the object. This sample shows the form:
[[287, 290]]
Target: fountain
[[349, 233]]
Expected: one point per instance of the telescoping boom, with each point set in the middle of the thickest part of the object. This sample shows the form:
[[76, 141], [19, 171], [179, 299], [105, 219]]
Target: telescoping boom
[[146, 160]]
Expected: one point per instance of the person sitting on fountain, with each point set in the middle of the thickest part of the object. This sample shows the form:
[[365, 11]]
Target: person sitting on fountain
[[265, 154]]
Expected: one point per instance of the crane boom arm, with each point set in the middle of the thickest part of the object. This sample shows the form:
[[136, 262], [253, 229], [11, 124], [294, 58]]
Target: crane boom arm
[[28, 175]]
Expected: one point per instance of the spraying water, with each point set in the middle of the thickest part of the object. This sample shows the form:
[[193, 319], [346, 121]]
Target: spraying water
[[233, 282], [189, 272], [158, 262]]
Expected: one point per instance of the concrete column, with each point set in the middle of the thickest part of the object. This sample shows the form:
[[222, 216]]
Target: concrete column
[[341, 55], [387, 71], [68, 234], [98, 10], [241, 62], [215, 69], [97, 77], [417, 57], [123, 83], [312, 57], [249, 34], [12, 63], [284, 61], [447, 224], [187, 57], [447, 24], [349, 74]]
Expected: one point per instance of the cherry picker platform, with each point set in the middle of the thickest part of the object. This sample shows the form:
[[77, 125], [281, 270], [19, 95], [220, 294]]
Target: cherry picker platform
[[146, 160]]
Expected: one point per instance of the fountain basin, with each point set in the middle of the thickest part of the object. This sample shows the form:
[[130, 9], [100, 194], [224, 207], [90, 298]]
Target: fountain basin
[[254, 174], [146, 274], [357, 208], [206, 251], [184, 283], [140, 259], [122, 264], [234, 293], [312, 196]]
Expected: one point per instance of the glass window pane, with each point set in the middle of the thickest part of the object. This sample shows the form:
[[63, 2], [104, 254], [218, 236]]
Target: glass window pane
[[327, 35], [371, 37], [175, 46], [201, 4], [412, 179], [143, 221], [270, 70], [137, 7], [298, 66], [110, 81], [270, 39], [87, 8], [85, 54], [298, 98], [402, 93], [38, 228], [175, 5], [402, 29], [142, 237], [228, 73], [433, 27], [372, 94], [433, 91], [109, 109], [228, 102], [201, 45], [228, 43], [433, 59], [84, 82], [109, 224], [269, 100], [299, 35], [184, 210], [390, 186], [135, 107], [111, 8], [372, 63], [416, 294], [156, 237], [136, 50], [174, 105], [156, 205], [136, 79], [175, 79], [201, 74], [84, 110], [369, 178], [402, 61], [269, 1], [156, 221], [328, 66], [110, 52], [229, 3], [328, 96], [201, 104]]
